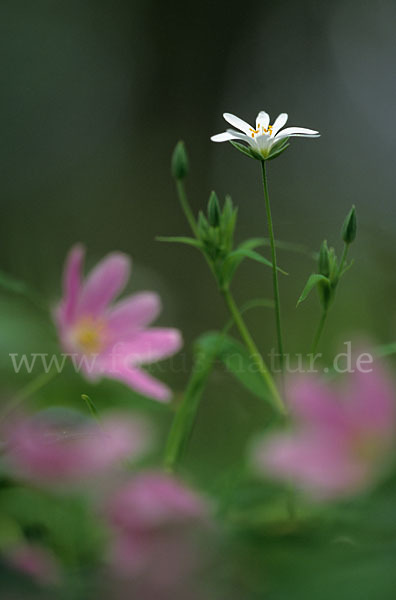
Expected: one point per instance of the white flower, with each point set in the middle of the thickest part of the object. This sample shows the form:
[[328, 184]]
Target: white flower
[[264, 136]]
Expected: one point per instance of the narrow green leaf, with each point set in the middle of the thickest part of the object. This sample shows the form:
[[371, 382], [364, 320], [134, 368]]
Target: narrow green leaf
[[237, 360], [252, 243], [385, 350], [313, 280], [91, 406], [184, 419], [181, 240], [242, 253], [15, 286]]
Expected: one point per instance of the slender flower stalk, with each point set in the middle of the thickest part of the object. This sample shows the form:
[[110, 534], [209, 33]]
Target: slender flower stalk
[[184, 203], [30, 388], [319, 331], [274, 265]]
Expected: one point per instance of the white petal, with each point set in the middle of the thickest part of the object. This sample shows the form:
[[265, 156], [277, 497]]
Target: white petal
[[222, 137], [297, 131], [279, 122], [262, 120], [237, 122], [240, 136]]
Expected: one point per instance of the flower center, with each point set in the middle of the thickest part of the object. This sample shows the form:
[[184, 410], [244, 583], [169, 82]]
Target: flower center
[[367, 446], [261, 130], [90, 334]]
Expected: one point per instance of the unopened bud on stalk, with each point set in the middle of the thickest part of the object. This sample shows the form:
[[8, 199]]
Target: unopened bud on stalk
[[179, 165], [349, 227]]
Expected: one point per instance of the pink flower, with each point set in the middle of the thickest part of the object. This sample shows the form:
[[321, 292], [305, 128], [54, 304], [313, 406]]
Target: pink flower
[[156, 519], [34, 561], [112, 340], [57, 450], [338, 443]]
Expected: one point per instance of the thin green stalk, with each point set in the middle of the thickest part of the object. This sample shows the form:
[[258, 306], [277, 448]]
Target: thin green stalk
[[274, 266], [319, 331], [343, 259], [255, 354], [31, 388], [181, 192]]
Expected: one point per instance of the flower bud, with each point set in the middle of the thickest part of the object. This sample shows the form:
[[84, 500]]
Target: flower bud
[[214, 210], [179, 165], [349, 227], [324, 259]]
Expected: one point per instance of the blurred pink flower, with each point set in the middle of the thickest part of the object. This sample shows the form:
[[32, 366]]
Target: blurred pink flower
[[156, 521], [338, 443], [112, 340], [34, 561], [48, 450]]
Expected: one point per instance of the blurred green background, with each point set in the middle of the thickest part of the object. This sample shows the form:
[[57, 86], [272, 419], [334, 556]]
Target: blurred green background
[[95, 95]]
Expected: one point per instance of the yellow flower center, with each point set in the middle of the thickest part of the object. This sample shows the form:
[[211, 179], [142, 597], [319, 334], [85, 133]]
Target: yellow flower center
[[90, 334], [367, 446], [260, 130]]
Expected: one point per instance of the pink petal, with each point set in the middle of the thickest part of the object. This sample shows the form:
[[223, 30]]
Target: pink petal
[[140, 381], [153, 499], [71, 283], [133, 313], [318, 464], [313, 402], [35, 561], [48, 452], [150, 345], [115, 439], [371, 401], [104, 282]]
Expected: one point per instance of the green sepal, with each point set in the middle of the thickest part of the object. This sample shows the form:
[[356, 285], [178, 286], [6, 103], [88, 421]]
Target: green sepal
[[278, 148], [246, 150]]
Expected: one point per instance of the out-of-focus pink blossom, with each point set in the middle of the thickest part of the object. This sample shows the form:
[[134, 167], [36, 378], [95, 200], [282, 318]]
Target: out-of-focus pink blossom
[[34, 561], [157, 522], [112, 340], [52, 449], [338, 443]]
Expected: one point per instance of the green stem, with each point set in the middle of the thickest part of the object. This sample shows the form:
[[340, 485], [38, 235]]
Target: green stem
[[181, 192], [274, 265], [31, 388], [183, 422], [319, 331], [343, 259], [255, 354]]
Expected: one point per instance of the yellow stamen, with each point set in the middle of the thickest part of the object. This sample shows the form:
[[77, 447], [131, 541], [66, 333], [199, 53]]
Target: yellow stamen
[[89, 334]]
